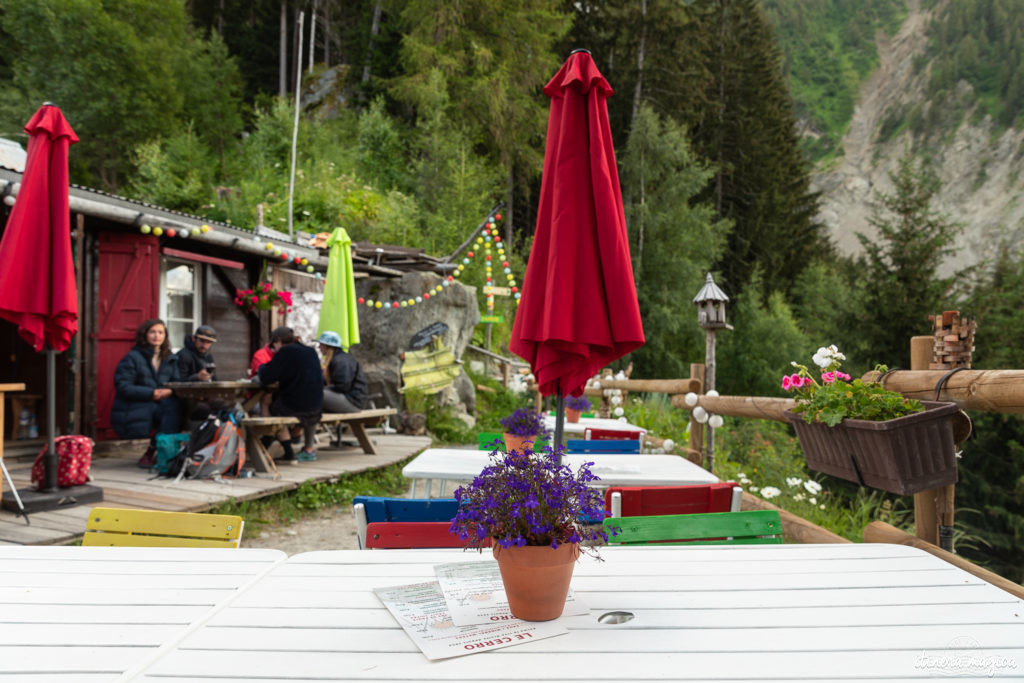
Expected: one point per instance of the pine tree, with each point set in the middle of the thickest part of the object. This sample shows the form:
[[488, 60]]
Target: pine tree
[[742, 121], [901, 266]]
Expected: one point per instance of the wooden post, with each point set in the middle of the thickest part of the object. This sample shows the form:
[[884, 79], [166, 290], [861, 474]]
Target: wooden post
[[933, 509], [696, 428], [709, 384]]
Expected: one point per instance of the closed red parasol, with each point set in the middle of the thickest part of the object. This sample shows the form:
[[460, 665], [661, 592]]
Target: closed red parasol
[[37, 276], [579, 310]]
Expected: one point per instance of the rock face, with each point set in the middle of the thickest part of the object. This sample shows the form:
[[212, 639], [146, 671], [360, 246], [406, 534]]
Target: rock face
[[386, 333], [979, 171]]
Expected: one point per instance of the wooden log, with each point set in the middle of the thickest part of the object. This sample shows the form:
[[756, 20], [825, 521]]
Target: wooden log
[[880, 532], [758, 407], [661, 386], [794, 528], [997, 391]]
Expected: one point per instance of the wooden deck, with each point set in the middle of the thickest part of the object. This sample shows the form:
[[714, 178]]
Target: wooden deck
[[125, 485]]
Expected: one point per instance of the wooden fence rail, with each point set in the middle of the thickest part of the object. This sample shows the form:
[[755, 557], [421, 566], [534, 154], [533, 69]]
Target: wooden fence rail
[[997, 391]]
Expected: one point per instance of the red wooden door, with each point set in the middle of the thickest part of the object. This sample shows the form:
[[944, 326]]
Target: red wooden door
[[128, 291]]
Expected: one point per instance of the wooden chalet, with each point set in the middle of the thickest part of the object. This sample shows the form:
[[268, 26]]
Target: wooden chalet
[[125, 277]]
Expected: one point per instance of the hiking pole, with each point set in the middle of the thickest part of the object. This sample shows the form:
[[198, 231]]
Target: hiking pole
[[14, 490]]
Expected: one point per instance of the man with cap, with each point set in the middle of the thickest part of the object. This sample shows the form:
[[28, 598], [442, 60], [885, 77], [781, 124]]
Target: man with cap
[[346, 384], [195, 362]]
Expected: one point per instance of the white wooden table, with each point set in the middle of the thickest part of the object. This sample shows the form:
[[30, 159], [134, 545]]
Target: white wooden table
[[631, 469], [744, 613], [91, 614], [592, 423]]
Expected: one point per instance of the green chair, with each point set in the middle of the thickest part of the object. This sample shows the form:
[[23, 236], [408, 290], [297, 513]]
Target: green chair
[[747, 527]]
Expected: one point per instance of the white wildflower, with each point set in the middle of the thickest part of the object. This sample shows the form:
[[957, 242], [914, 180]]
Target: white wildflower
[[793, 481], [741, 475], [753, 489], [798, 497], [813, 487], [744, 481], [770, 492], [812, 500], [821, 507]]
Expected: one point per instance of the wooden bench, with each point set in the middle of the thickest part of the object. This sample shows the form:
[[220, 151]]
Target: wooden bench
[[255, 427]]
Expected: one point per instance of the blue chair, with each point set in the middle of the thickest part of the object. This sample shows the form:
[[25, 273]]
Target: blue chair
[[602, 446], [368, 509]]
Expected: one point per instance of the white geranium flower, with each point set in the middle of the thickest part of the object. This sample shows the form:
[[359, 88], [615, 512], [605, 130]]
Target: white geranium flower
[[813, 487], [770, 492], [793, 481]]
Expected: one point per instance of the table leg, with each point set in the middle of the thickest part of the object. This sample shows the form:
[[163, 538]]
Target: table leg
[[261, 460]]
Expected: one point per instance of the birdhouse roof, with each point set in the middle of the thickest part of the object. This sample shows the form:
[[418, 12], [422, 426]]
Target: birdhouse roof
[[710, 292]]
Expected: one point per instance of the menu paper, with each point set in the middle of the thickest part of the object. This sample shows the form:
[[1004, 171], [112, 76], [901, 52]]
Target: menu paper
[[421, 610], [476, 595]]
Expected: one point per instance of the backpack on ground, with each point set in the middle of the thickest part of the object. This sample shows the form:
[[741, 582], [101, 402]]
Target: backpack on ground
[[74, 457], [167, 448], [215, 448]]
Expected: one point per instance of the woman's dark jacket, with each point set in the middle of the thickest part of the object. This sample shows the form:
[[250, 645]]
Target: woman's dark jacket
[[190, 362], [347, 378], [134, 382], [296, 369]]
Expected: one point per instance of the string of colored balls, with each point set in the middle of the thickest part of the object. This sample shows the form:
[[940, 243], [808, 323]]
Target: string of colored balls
[[491, 236], [158, 231]]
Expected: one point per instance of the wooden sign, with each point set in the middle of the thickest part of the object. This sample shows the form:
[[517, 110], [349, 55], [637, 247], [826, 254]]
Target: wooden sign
[[423, 337], [491, 319]]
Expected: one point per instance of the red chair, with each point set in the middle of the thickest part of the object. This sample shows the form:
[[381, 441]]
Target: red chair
[[413, 535], [643, 501]]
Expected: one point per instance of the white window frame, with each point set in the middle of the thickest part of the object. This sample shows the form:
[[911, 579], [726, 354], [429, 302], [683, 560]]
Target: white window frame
[[167, 263]]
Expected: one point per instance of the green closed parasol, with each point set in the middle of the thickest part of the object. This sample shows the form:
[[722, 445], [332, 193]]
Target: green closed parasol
[[338, 312]]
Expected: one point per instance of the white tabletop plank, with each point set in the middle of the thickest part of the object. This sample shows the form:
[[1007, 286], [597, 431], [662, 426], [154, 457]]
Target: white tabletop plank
[[452, 464], [83, 614], [807, 612], [577, 429]]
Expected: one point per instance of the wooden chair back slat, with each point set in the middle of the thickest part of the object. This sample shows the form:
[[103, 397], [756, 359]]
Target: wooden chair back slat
[[643, 501], [156, 528], [725, 528], [412, 535]]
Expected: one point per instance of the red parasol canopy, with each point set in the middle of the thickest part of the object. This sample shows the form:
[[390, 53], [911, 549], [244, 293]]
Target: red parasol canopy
[[37, 276], [579, 309]]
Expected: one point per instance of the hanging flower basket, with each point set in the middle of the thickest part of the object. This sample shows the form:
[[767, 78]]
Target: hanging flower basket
[[263, 297], [904, 455]]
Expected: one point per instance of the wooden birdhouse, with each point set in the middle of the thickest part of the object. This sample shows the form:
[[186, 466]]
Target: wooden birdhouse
[[710, 302]]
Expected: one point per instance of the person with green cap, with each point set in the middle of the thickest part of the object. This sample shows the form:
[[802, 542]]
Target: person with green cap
[[346, 384]]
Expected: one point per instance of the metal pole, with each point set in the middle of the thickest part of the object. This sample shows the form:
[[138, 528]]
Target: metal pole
[[50, 460], [556, 441], [295, 131]]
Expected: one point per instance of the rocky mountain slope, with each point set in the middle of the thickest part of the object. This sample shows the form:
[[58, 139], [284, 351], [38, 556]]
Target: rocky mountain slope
[[979, 170]]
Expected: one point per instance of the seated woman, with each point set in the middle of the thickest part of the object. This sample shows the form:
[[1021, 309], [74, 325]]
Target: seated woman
[[300, 393], [346, 383], [142, 401]]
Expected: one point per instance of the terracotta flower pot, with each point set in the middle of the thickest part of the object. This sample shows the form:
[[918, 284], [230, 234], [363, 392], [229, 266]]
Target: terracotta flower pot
[[572, 415], [537, 578], [518, 443]]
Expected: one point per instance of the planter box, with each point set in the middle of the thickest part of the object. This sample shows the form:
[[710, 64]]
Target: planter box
[[904, 456]]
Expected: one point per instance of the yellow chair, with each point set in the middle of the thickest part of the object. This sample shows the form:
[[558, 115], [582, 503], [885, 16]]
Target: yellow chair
[[156, 529]]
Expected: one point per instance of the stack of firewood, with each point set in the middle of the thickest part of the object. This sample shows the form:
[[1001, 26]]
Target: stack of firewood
[[954, 341]]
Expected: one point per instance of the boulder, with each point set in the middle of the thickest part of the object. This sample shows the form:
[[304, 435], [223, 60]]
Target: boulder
[[385, 333]]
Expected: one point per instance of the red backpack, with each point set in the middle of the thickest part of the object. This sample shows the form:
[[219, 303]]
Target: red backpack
[[74, 457]]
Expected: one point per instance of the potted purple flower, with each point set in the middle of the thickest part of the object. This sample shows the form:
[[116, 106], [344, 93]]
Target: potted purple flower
[[531, 507], [522, 428], [576, 406]]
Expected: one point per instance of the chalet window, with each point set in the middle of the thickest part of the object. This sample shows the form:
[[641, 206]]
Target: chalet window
[[180, 300]]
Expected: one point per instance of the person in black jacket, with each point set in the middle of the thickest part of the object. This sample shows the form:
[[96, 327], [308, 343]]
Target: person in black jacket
[[300, 393], [195, 362], [142, 402], [346, 383]]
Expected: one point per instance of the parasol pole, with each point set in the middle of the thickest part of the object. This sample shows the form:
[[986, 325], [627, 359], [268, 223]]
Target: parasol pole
[[49, 484], [559, 421], [295, 131]]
